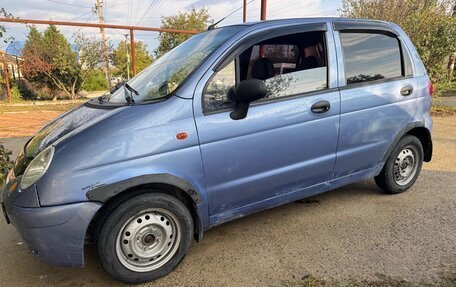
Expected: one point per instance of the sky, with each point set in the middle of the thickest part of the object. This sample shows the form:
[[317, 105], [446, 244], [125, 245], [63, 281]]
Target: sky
[[149, 12]]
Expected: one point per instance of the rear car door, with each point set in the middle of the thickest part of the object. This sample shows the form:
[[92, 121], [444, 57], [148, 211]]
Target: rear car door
[[378, 94], [285, 148]]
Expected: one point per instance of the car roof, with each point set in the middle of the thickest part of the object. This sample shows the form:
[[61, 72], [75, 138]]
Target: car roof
[[337, 22], [310, 20], [288, 21]]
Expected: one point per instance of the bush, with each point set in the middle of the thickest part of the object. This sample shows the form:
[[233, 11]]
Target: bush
[[5, 163], [96, 81], [26, 89]]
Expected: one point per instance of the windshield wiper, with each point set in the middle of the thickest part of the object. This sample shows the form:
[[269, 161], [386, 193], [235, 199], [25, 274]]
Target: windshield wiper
[[129, 96]]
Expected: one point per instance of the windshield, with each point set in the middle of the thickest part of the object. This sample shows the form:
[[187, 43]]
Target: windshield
[[169, 71]]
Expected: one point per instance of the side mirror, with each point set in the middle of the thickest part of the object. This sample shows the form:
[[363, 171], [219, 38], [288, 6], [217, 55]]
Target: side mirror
[[246, 92]]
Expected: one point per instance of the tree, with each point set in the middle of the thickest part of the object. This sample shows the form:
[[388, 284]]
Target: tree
[[50, 62], [90, 55], [119, 57], [428, 23], [196, 20], [49, 58]]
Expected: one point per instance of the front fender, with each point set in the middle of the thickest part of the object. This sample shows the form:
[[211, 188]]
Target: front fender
[[105, 192]]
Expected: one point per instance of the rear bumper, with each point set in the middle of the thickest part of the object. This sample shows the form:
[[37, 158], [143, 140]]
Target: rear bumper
[[55, 234]]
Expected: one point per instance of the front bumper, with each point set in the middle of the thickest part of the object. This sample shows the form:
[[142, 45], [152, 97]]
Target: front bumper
[[55, 234]]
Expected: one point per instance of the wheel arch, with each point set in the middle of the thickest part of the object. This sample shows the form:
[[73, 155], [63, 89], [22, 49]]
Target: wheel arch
[[419, 130], [425, 138], [114, 194]]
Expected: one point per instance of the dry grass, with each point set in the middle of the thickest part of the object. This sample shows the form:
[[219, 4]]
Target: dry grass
[[439, 110], [42, 107], [20, 120]]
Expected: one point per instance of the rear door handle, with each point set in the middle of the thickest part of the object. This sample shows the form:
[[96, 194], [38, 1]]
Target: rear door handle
[[407, 91], [320, 107]]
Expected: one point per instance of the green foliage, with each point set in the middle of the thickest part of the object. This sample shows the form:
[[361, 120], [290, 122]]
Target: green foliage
[[428, 23], [95, 81], [49, 63], [3, 13], [16, 93], [195, 20], [5, 163], [90, 59], [26, 89], [119, 58], [53, 67]]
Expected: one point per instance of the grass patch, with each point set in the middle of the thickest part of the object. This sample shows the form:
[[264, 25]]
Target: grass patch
[[445, 280], [440, 110], [447, 89], [11, 108]]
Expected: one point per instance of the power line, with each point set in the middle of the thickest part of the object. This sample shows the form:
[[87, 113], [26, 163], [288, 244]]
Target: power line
[[154, 5], [146, 11], [129, 11], [155, 10], [69, 4], [81, 15], [213, 25]]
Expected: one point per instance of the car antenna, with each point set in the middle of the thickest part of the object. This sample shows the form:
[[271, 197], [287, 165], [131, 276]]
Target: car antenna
[[212, 26]]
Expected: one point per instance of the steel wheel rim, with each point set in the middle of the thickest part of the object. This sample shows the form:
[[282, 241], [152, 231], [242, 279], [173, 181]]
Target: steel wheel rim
[[405, 165], [148, 240]]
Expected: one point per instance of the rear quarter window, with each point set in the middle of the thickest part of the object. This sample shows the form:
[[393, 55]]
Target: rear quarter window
[[370, 57]]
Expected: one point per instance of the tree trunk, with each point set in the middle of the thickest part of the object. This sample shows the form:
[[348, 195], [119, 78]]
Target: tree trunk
[[451, 64], [73, 90], [59, 84]]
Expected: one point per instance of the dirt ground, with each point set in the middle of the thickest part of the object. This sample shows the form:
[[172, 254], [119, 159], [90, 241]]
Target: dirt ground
[[25, 123], [352, 232]]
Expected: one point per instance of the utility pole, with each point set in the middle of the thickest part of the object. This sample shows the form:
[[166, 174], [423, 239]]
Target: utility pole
[[263, 10], [263, 18], [133, 51], [128, 56], [104, 47], [244, 12]]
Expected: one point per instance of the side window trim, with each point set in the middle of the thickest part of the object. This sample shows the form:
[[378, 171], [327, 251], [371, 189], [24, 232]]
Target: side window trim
[[408, 64], [366, 26]]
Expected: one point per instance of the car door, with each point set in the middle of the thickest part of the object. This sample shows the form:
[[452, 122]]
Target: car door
[[283, 150], [378, 95]]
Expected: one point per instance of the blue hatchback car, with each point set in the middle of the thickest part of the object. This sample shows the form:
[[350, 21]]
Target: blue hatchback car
[[235, 120]]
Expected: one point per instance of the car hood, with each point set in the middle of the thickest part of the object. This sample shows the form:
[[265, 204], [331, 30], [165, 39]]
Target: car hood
[[61, 126]]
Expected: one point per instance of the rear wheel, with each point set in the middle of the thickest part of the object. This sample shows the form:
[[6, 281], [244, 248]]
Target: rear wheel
[[402, 167], [145, 237]]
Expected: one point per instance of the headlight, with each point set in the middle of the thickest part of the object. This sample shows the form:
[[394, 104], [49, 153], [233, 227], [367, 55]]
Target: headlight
[[37, 168]]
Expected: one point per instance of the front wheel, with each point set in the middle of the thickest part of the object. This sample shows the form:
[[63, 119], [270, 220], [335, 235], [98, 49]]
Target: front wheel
[[402, 167], [145, 238]]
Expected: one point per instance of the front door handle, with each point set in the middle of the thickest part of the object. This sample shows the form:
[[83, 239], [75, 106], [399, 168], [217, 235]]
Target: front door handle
[[407, 91], [320, 107]]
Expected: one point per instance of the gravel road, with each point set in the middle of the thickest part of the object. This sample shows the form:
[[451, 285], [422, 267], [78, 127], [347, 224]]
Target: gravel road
[[355, 231]]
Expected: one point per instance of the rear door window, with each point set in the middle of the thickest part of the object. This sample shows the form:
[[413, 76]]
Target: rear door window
[[370, 57]]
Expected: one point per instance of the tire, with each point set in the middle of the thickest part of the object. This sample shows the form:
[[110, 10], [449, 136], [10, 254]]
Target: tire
[[144, 237], [402, 167]]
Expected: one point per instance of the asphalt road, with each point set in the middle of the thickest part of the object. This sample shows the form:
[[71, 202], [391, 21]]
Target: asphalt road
[[355, 231]]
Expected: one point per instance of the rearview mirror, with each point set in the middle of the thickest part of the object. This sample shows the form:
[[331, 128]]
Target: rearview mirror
[[246, 92]]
